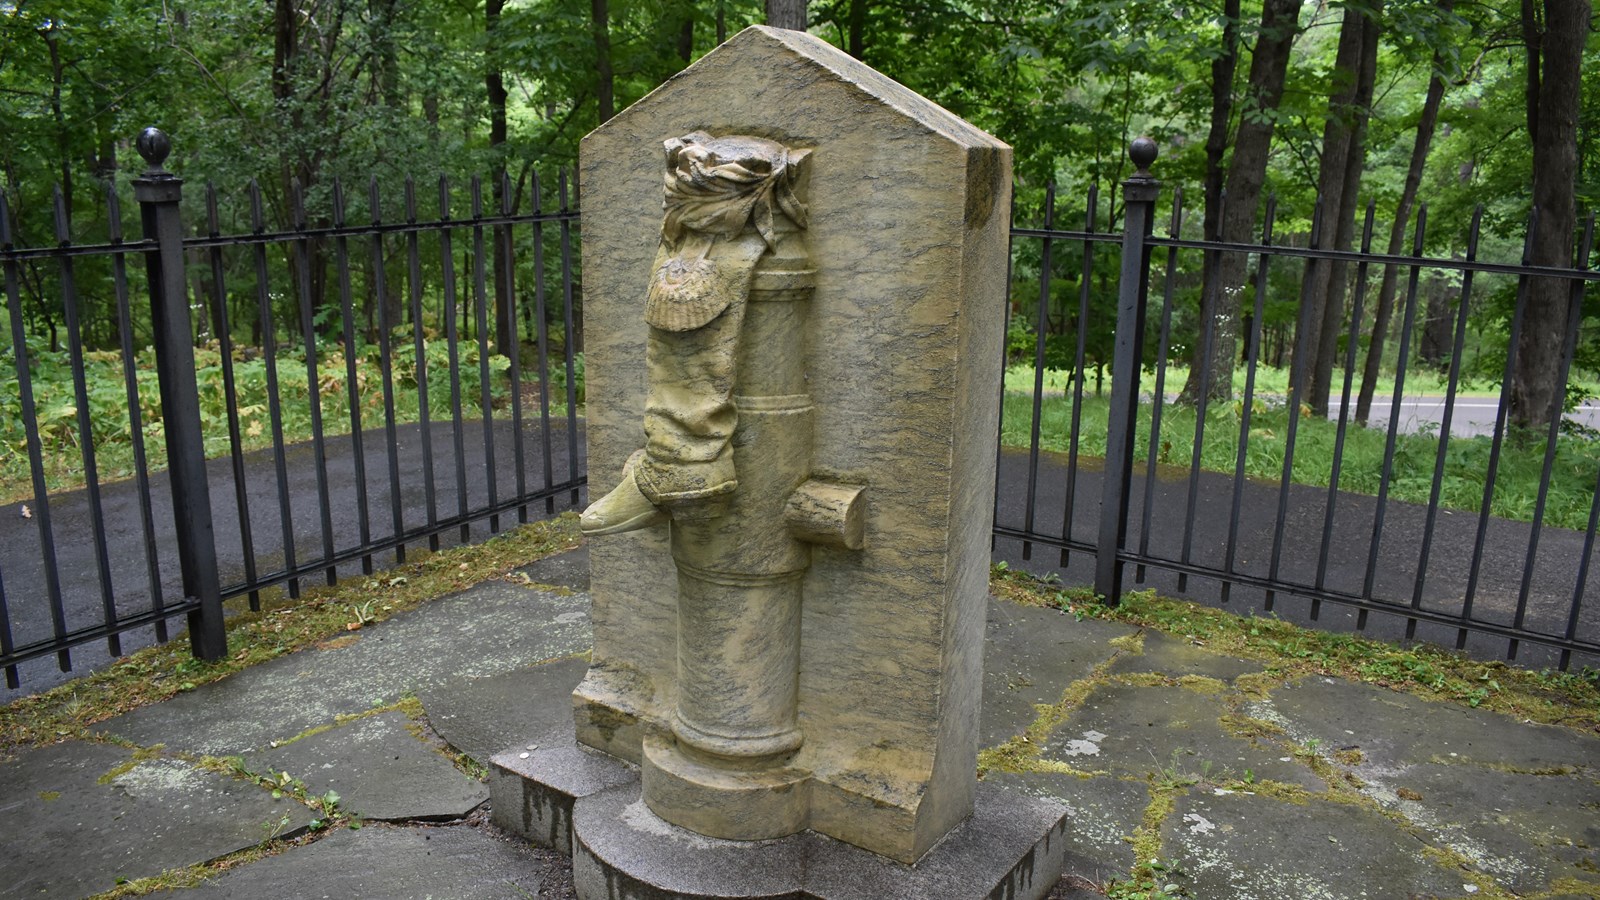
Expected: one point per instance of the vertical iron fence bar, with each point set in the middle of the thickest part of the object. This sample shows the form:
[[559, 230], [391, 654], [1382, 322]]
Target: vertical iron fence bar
[[269, 354], [452, 338], [1578, 589], [1352, 341], [1254, 351], [1454, 381], [420, 349], [480, 294], [130, 381], [1297, 376], [1041, 328], [1139, 194], [507, 289], [158, 192], [308, 332], [30, 420], [542, 338], [380, 288], [1005, 360], [80, 396], [1501, 421], [347, 315], [571, 323], [1557, 402], [1202, 403], [1158, 399], [219, 315], [7, 646], [1078, 357], [1408, 320]]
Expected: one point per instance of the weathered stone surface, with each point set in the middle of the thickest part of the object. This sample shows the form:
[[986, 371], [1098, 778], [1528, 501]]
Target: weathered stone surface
[[1245, 847], [1010, 847], [902, 369], [80, 816], [1166, 731], [484, 716], [379, 769], [509, 627], [569, 570], [1391, 727], [533, 790], [1177, 657], [1102, 814], [381, 862], [1031, 654]]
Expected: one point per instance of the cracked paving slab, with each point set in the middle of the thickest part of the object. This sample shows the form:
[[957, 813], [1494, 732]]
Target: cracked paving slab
[[484, 716], [490, 628], [1031, 654], [398, 863], [379, 768], [1102, 814], [1142, 730], [80, 816], [1393, 728], [1176, 657], [1249, 847]]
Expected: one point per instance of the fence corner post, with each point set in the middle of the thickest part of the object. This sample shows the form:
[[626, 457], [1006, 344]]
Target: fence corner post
[[1139, 194], [158, 193]]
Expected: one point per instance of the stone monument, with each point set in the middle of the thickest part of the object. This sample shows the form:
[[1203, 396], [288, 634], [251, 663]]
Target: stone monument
[[794, 289]]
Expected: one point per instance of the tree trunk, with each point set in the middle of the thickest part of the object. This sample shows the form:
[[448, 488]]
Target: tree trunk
[[1326, 347], [790, 14], [858, 22], [686, 38], [1247, 172], [1397, 232], [605, 80], [505, 328], [1554, 64]]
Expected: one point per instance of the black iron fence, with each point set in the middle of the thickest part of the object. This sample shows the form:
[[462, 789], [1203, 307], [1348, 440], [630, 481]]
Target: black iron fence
[[370, 415], [391, 416]]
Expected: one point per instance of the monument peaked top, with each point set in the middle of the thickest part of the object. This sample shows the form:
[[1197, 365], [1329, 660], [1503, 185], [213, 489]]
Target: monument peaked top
[[769, 43]]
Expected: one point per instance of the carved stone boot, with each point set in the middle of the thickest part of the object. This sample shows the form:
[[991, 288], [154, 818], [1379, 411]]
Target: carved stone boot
[[624, 509]]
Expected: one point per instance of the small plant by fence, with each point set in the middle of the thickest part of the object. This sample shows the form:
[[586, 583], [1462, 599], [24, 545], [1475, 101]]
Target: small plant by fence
[[377, 405]]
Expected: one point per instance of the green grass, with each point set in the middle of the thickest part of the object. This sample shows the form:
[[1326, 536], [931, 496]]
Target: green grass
[[1466, 459], [56, 403]]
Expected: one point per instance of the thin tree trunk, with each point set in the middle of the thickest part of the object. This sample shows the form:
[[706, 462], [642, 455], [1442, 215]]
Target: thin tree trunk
[[505, 328], [605, 80], [790, 14], [858, 23], [1384, 310], [1554, 66], [1269, 64]]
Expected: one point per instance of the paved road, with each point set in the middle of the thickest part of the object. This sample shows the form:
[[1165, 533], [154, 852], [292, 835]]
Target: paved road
[[1497, 593], [1473, 415]]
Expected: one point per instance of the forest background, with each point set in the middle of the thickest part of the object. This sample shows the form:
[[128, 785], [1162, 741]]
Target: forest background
[[1485, 110]]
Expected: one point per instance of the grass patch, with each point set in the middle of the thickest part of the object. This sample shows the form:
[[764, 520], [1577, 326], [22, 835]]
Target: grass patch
[[1572, 476], [282, 626], [1570, 698]]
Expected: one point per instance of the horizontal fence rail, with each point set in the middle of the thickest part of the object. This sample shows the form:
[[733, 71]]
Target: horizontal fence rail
[[373, 407], [349, 392]]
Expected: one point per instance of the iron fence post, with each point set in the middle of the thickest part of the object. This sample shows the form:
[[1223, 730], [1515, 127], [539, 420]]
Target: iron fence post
[[1139, 202], [159, 192]]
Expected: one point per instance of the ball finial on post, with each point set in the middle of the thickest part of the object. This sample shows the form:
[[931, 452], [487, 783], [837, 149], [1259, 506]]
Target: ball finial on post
[[154, 145], [1143, 153]]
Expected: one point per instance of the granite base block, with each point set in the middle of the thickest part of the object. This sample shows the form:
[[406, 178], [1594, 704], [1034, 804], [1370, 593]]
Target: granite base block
[[588, 804]]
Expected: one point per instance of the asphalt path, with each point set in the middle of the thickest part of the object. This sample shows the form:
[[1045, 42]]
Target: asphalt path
[[1348, 564], [1471, 416]]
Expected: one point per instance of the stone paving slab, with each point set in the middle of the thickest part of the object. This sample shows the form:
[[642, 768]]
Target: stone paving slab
[[395, 864], [484, 716], [1102, 814], [569, 570], [1030, 655], [1392, 728], [490, 628], [79, 816], [1177, 657], [1249, 847], [379, 768], [1172, 732]]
